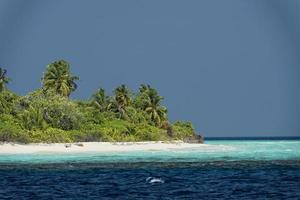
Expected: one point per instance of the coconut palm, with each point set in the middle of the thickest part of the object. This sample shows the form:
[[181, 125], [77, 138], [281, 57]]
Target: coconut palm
[[100, 100], [59, 79], [122, 99], [123, 95], [149, 101], [152, 106], [3, 79], [144, 88]]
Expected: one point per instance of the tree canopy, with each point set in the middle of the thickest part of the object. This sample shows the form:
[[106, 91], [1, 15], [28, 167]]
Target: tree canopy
[[48, 115], [59, 78]]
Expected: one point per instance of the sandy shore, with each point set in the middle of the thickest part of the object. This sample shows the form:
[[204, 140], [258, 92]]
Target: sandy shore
[[9, 148]]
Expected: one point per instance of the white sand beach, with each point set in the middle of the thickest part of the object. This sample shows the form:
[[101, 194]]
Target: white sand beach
[[10, 148]]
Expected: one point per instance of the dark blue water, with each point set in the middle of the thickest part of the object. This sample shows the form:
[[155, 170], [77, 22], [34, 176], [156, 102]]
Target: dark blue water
[[279, 179]]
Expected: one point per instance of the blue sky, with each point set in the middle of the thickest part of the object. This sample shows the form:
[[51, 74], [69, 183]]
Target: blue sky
[[231, 67]]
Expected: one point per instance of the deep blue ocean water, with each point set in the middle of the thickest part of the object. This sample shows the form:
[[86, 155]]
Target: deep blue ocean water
[[226, 169]]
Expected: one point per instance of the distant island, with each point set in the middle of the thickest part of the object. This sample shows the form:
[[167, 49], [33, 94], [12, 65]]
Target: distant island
[[48, 115]]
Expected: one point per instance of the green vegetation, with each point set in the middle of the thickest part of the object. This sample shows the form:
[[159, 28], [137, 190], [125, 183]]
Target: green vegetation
[[59, 78], [49, 115], [3, 79]]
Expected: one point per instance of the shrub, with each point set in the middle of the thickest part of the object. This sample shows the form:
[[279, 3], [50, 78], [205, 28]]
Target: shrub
[[146, 132], [11, 131], [32, 118], [89, 136], [182, 130], [7, 102], [57, 111], [50, 135], [44, 116], [10, 134]]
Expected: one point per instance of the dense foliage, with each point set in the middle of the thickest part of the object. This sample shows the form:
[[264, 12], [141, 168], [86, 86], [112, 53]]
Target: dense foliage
[[48, 115]]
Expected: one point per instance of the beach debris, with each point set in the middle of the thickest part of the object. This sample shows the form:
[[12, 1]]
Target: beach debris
[[79, 144], [68, 145]]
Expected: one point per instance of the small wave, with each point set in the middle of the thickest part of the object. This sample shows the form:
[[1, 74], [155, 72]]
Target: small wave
[[154, 180]]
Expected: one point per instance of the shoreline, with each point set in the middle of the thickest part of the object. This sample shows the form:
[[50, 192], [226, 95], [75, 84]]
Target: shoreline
[[96, 147]]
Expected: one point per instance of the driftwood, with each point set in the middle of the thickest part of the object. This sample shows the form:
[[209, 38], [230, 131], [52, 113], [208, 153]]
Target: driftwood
[[79, 144]]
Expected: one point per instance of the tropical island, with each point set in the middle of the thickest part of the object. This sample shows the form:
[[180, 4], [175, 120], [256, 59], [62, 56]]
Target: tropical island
[[48, 115]]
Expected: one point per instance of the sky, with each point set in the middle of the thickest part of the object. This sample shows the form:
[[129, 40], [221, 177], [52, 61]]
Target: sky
[[231, 67]]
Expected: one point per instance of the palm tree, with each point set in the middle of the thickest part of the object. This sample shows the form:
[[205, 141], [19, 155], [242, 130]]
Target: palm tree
[[152, 106], [144, 88], [121, 100], [149, 101], [59, 78], [3, 79], [100, 100]]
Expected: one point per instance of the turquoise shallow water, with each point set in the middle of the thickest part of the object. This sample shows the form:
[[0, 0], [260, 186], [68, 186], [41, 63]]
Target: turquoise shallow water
[[223, 169], [216, 150]]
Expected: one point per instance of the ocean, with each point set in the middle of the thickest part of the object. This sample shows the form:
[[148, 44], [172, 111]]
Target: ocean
[[229, 168]]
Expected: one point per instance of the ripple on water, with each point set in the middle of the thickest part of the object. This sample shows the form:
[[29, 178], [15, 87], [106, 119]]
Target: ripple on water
[[195, 180]]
